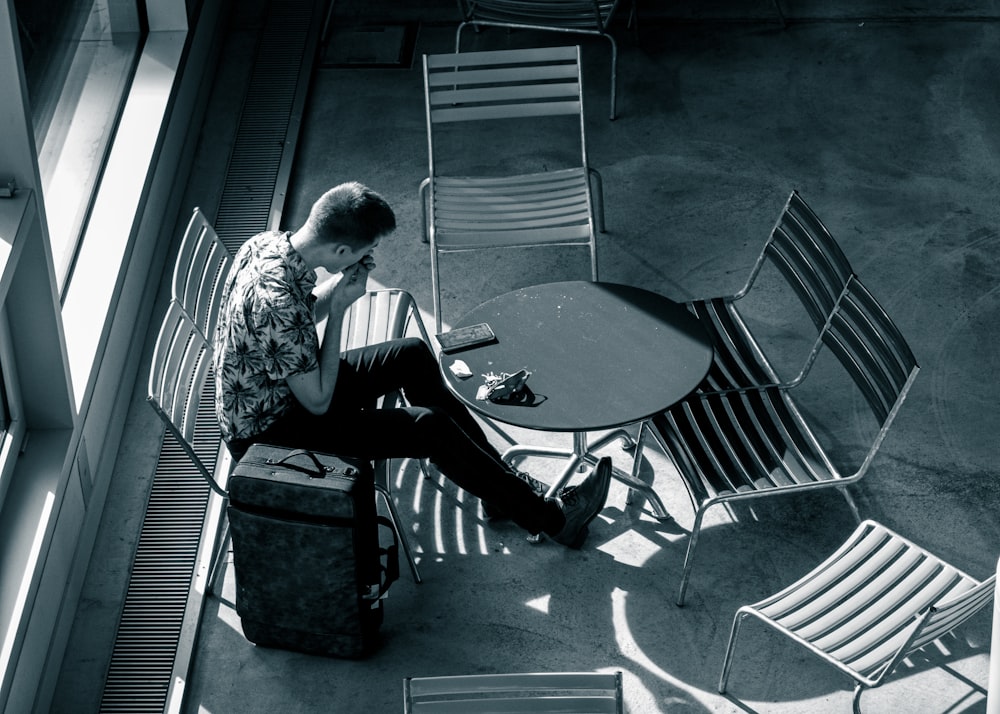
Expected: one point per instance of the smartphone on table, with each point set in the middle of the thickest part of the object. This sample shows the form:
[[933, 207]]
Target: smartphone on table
[[462, 338]]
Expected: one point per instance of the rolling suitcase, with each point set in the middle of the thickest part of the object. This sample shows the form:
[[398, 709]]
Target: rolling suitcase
[[311, 572]]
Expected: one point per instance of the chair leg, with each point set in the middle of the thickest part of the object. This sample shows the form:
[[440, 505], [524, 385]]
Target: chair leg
[[851, 503], [597, 188], [423, 193], [435, 289], [396, 523], [727, 662], [614, 76], [216, 567], [689, 556], [856, 702]]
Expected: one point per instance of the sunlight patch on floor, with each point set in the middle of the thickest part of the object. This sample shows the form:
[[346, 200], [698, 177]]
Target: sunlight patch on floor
[[630, 548], [541, 604]]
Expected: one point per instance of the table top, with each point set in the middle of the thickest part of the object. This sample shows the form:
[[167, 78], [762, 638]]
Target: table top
[[601, 355]]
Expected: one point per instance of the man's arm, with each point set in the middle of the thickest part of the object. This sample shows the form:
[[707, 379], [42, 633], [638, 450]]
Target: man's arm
[[314, 389]]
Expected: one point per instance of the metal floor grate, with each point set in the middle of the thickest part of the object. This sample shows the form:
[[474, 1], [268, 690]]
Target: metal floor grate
[[156, 608], [142, 661], [260, 164]]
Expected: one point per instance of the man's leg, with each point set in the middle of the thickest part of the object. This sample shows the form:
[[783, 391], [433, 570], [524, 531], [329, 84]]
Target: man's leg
[[436, 426], [420, 432], [409, 365]]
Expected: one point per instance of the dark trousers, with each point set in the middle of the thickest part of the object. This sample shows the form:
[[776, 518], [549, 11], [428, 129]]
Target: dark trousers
[[435, 426]]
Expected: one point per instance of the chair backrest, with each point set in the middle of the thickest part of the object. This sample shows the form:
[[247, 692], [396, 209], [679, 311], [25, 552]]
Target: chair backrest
[[180, 370], [577, 692], [581, 15], [872, 350], [504, 84], [379, 316], [202, 264], [948, 614], [809, 258]]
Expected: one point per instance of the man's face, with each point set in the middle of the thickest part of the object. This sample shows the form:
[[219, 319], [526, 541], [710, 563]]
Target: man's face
[[337, 256]]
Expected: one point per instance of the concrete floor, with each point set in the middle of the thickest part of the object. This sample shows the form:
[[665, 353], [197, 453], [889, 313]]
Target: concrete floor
[[891, 131]]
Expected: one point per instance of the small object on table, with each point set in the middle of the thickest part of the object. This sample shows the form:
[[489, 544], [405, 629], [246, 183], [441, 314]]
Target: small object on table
[[460, 369], [502, 386]]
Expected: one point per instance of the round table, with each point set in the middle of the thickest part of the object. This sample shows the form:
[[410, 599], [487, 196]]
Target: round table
[[601, 356]]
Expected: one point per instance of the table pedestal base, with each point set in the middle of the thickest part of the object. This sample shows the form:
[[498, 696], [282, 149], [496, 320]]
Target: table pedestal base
[[582, 454]]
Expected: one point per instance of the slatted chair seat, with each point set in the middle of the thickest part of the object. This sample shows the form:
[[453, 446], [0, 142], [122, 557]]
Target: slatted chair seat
[[552, 208], [469, 205], [529, 693], [587, 17], [814, 269], [758, 442], [873, 602]]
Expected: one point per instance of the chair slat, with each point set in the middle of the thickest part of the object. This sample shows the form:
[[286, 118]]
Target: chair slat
[[557, 236], [532, 55], [507, 78], [574, 175], [519, 705], [504, 111], [451, 95], [516, 693]]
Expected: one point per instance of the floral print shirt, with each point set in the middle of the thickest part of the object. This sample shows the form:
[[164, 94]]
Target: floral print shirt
[[266, 333]]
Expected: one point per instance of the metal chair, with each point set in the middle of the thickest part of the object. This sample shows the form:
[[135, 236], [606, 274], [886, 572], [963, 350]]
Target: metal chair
[[200, 270], [380, 316], [815, 269], [580, 17], [181, 370], [467, 207], [758, 442], [534, 693], [875, 601]]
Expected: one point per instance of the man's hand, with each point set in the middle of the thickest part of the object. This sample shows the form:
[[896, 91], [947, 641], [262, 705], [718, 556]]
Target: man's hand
[[352, 285], [314, 389]]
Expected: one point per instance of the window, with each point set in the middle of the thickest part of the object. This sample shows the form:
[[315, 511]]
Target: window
[[4, 409], [79, 56], [11, 418]]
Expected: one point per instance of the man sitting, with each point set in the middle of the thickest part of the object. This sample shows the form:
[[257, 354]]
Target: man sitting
[[278, 383]]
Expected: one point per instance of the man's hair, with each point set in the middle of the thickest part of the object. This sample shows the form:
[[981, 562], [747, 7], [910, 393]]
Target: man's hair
[[351, 213]]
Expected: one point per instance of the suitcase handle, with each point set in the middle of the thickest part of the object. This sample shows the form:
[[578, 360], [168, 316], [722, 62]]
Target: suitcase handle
[[321, 469]]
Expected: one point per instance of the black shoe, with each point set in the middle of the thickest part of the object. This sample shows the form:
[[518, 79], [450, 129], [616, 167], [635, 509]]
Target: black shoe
[[581, 504], [493, 513]]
